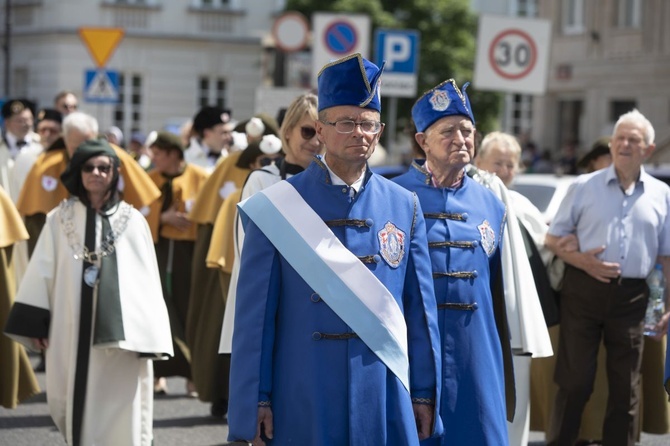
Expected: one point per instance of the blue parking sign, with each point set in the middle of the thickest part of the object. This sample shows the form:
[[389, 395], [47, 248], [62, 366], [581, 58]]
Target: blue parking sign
[[400, 50]]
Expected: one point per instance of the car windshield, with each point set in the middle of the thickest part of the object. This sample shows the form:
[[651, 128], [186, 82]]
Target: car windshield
[[539, 195]]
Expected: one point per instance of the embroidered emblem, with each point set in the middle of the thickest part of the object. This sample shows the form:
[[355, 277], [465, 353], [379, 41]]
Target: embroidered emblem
[[227, 189], [439, 100], [488, 237], [49, 183], [16, 107], [391, 244]]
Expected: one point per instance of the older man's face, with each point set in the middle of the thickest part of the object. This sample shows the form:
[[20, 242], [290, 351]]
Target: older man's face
[[449, 142], [20, 124], [628, 146]]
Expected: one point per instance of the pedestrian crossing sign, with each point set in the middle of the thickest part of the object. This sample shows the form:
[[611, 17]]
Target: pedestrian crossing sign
[[101, 86]]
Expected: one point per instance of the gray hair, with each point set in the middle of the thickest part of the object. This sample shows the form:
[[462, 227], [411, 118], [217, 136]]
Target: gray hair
[[81, 122], [636, 118], [499, 139]]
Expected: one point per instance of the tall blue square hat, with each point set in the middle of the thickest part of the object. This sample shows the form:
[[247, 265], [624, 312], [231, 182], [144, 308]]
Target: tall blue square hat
[[352, 80], [443, 100]]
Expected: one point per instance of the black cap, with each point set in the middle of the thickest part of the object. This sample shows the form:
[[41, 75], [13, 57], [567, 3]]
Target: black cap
[[50, 114], [71, 178], [209, 116], [599, 148], [16, 106]]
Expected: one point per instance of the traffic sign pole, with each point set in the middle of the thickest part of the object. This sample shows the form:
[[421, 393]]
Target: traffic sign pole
[[400, 50]]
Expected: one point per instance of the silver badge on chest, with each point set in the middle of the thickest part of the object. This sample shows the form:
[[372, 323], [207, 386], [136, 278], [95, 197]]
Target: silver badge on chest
[[391, 244], [488, 237]]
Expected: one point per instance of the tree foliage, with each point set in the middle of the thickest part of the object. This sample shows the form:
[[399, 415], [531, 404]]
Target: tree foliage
[[448, 32]]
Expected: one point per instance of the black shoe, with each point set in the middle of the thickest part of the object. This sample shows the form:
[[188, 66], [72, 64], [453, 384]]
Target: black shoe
[[219, 408]]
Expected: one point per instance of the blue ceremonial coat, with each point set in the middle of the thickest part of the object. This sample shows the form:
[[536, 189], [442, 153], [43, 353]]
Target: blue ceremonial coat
[[464, 227], [332, 391]]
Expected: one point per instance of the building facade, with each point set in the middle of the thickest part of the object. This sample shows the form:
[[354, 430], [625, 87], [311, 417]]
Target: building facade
[[606, 57], [175, 56]]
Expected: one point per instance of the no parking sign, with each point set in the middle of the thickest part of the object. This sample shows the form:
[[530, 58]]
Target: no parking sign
[[512, 54], [336, 36]]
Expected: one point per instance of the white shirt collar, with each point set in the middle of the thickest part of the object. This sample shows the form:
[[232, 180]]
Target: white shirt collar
[[337, 181]]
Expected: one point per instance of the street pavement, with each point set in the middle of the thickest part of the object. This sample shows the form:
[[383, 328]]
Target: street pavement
[[178, 421]]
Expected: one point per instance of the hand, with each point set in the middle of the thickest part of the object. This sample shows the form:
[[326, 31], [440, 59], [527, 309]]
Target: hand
[[173, 217], [596, 268], [662, 327], [568, 243], [423, 414], [40, 343], [264, 426]]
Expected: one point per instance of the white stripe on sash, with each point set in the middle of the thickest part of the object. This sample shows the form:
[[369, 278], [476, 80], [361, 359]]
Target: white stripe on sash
[[343, 282]]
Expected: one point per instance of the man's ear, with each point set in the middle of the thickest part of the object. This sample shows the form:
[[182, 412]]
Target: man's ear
[[649, 150], [420, 139]]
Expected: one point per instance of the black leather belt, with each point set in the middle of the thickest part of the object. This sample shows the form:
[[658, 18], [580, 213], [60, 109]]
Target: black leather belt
[[622, 281]]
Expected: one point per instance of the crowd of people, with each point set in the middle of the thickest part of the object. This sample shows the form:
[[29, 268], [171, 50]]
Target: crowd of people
[[310, 301]]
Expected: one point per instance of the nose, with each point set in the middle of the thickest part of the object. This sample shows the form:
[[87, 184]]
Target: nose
[[458, 137], [358, 129]]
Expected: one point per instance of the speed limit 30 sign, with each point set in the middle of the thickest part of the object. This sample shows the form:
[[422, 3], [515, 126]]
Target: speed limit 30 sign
[[512, 54]]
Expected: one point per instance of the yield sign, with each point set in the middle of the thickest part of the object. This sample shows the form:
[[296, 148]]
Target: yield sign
[[101, 42]]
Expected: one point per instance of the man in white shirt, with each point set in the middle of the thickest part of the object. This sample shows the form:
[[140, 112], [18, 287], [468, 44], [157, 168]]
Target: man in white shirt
[[17, 137], [212, 137]]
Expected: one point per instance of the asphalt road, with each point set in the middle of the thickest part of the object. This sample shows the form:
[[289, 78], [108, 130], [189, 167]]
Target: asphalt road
[[178, 421]]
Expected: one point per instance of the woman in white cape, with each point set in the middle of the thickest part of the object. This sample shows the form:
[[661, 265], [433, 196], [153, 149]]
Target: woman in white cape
[[91, 298]]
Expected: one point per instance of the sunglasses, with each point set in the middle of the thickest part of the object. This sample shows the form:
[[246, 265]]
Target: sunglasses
[[102, 168], [307, 132], [267, 160]]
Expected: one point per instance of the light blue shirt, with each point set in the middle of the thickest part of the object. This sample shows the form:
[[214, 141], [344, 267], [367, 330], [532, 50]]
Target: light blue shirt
[[634, 226]]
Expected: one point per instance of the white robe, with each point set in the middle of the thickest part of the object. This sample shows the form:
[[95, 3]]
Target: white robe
[[119, 397], [528, 331], [257, 181]]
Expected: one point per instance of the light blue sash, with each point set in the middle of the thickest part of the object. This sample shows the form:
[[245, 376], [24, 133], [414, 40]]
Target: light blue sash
[[339, 277]]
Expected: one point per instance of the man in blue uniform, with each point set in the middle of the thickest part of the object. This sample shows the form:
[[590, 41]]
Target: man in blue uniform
[[464, 222], [335, 339]]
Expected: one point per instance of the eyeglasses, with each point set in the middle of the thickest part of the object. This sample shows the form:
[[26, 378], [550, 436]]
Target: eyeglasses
[[307, 132], [348, 126], [70, 106], [102, 168]]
